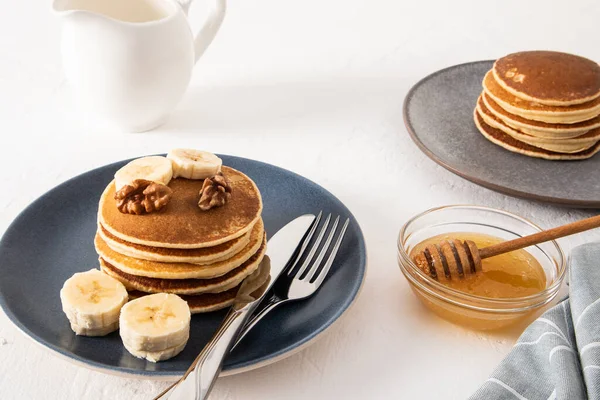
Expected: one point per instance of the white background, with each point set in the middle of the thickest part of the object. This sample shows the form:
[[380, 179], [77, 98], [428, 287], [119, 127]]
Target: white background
[[314, 86]]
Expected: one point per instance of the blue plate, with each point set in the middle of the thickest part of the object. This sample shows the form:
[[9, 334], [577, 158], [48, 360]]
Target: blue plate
[[53, 238]]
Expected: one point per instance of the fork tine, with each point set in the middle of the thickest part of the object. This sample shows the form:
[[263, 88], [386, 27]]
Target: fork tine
[[315, 266], [314, 247], [305, 243], [334, 251]]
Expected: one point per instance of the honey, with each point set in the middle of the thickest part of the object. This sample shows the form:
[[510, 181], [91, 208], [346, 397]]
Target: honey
[[510, 275]]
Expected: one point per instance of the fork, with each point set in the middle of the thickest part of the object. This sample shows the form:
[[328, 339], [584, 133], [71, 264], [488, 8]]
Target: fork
[[303, 282]]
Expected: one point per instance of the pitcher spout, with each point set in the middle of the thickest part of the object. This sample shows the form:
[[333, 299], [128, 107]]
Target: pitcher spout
[[129, 12], [63, 7], [73, 8]]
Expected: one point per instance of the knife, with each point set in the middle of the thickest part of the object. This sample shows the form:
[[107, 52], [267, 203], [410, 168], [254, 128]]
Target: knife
[[199, 379]]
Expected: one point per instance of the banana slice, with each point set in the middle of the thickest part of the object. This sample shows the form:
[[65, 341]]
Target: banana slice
[[194, 164], [155, 168], [92, 302], [155, 323], [95, 332], [156, 356]]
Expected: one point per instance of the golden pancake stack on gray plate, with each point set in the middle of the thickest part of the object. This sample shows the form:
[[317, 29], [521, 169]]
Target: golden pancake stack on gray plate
[[200, 255], [542, 104]]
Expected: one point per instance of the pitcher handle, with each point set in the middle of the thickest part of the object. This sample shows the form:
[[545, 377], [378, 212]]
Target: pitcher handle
[[209, 29]]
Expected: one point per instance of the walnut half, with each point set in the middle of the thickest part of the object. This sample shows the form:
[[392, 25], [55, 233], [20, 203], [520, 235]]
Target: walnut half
[[215, 192], [142, 197]]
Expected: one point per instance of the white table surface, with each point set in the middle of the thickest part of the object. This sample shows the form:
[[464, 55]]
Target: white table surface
[[314, 86]]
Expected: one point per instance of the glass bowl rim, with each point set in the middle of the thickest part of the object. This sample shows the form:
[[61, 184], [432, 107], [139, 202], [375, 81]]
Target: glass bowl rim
[[543, 295]]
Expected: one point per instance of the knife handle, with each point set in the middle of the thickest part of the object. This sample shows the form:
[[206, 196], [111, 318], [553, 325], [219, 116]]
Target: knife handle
[[211, 359], [199, 381]]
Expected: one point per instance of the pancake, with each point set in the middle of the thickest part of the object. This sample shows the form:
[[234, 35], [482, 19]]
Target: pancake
[[257, 283], [538, 128], [549, 77], [539, 112], [187, 286], [500, 138], [574, 145], [204, 255], [154, 269], [181, 224]]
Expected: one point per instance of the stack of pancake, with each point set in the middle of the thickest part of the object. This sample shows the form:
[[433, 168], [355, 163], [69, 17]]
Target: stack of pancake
[[542, 104], [203, 256]]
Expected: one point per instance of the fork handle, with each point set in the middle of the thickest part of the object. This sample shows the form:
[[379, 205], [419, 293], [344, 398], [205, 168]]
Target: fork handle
[[259, 314], [198, 382]]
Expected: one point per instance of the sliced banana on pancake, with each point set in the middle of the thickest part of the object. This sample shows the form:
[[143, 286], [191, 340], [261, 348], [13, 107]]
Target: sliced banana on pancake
[[194, 164], [155, 323], [92, 302], [154, 168]]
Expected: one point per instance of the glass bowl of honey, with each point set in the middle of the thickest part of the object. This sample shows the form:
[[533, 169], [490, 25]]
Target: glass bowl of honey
[[511, 288]]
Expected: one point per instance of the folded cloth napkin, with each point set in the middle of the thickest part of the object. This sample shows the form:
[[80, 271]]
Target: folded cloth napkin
[[558, 355]]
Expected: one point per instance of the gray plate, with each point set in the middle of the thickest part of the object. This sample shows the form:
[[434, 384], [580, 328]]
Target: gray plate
[[438, 113], [54, 237]]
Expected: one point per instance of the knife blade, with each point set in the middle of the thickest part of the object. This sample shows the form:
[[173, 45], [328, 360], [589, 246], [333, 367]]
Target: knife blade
[[199, 379]]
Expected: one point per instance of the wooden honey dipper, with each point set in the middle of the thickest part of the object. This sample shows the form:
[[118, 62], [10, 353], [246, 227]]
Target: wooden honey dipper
[[453, 258]]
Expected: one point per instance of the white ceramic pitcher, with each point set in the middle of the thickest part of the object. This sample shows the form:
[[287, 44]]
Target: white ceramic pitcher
[[130, 61]]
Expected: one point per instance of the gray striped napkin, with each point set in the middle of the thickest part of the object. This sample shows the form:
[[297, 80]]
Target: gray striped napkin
[[558, 355]]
